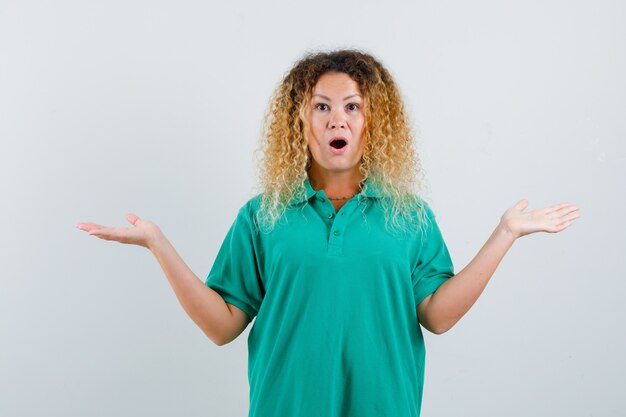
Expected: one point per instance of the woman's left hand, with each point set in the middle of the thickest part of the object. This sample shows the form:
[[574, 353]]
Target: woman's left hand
[[550, 219]]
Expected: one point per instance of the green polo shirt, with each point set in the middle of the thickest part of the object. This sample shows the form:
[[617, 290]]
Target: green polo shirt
[[334, 295]]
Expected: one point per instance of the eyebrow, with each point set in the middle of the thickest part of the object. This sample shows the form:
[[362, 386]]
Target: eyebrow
[[345, 98]]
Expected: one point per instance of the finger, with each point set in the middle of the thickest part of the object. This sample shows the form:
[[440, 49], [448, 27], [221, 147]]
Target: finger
[[570, 208], [85, 224], [561, 226], [109, 233], [132, 218], [522, 204], [89, 226], [566, 220], [556, 207], [567, 210], [570, 216], [99, 232]]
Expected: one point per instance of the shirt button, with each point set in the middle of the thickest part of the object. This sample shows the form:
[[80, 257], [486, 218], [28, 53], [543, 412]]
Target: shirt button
[[336, 232], [331, 215]]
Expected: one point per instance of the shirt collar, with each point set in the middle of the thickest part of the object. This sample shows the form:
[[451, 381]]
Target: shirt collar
[[371, 190]]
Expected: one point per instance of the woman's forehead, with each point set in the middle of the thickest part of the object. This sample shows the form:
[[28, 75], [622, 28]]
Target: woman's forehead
[[334, 83]]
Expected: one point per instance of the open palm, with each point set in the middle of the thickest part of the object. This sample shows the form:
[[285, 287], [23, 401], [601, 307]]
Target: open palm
[[142, 232], [550, 219]]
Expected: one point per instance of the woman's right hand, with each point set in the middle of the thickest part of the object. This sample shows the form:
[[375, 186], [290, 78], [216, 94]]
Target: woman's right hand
[[143, 232]]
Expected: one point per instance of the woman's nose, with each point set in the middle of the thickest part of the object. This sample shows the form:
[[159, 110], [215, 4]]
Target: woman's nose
[[337, 122]]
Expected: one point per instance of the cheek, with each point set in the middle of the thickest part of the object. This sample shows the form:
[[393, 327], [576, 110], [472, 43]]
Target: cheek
[[361, 134], [317, 130], [312, 138], [359, 121], [360, 128]]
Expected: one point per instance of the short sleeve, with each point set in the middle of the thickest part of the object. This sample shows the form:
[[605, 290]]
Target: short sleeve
[[235, 273], [433, 266]]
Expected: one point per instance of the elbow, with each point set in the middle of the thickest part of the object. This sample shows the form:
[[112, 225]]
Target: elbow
[[434, 329], [219, 340], [443, 328], [223, 338], [224, 341], [431, 317], [215, 340], [217, 334], [440, 330]]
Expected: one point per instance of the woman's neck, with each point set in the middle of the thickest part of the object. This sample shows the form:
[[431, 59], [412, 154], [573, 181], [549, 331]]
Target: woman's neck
[[337, 185]]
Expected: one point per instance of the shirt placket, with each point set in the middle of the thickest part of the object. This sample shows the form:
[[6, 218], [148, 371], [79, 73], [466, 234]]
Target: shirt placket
[[337, 222]]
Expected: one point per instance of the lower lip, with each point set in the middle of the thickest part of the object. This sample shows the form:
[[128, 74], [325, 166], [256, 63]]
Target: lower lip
[[338, 151]]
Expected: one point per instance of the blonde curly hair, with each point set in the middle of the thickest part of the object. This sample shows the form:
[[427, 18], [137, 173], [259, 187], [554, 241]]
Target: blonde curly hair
[[389, 159]]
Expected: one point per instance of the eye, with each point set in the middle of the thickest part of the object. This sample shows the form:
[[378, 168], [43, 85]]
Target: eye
[[353, 106], [317, 106]]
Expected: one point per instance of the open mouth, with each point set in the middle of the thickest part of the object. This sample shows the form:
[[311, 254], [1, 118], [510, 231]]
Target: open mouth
[[338, 143]]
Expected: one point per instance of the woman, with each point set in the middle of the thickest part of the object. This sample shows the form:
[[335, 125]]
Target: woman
[[338, 258]]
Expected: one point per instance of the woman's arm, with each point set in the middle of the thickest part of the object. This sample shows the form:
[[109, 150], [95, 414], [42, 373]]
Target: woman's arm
[[203, 305], [220, 321], [442, 309]]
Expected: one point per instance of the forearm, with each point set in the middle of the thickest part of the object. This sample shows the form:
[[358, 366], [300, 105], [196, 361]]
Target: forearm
[[457, 295], [203, 304]]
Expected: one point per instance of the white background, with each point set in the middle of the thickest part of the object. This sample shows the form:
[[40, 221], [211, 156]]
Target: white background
[[155, 108]]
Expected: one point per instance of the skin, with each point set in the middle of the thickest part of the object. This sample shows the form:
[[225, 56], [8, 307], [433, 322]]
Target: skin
[[340, 112], [444, 308], [336, 109], [222, 322]]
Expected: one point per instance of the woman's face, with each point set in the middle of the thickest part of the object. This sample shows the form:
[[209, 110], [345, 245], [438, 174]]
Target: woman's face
[[337, 121]]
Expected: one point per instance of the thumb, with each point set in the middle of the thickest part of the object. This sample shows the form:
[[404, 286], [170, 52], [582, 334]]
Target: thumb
[[132, 218], [522, 204]]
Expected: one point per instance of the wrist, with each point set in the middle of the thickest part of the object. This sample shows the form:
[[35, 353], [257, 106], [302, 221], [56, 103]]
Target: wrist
[[505, 230], [156, 240]]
